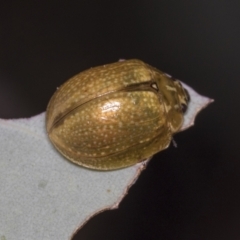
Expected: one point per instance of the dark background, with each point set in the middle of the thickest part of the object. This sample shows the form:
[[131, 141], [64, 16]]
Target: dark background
[[191, 192]]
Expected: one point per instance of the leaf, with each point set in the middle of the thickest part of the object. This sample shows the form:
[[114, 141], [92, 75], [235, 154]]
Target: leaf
[[43, 195]]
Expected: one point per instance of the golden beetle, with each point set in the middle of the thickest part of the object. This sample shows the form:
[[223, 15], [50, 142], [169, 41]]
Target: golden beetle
[[115, 115]]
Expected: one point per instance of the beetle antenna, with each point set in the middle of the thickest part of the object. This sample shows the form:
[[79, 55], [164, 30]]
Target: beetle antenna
[[174, 143]]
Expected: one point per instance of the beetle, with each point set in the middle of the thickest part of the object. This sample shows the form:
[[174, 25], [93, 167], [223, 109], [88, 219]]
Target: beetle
[[116, 115]]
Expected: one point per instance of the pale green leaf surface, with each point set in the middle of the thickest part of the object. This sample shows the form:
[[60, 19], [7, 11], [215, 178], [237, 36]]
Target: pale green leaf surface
[[42, 195]]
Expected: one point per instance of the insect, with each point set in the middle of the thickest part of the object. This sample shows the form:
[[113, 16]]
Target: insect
[[115, 115]]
